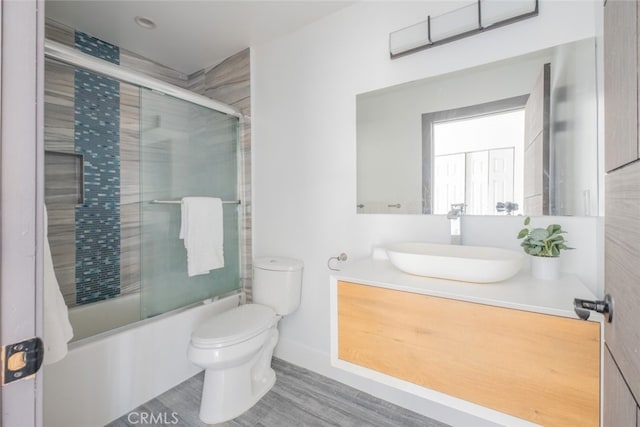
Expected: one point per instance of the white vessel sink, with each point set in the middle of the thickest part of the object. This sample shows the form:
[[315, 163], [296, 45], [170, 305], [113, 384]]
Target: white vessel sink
[[477, 264]]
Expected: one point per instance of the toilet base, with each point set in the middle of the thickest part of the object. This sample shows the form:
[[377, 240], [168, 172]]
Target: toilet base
[[228, 393]]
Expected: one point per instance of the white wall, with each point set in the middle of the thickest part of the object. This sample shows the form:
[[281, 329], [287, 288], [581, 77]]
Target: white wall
[[304, 91]]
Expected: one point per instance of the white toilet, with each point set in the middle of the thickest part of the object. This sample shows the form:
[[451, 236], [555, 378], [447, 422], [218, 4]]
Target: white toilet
[[235, 347]]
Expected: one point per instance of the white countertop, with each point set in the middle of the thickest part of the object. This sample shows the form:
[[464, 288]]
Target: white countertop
[[522, 292]]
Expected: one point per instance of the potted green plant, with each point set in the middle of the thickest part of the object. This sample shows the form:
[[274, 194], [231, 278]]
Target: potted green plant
[[544, 246]]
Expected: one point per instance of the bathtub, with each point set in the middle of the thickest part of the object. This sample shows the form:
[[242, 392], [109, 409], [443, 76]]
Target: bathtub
[[107, 375], [98, 317]]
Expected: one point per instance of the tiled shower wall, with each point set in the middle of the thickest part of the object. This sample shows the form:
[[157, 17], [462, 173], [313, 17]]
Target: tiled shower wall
[[228, 82], [97, 139]]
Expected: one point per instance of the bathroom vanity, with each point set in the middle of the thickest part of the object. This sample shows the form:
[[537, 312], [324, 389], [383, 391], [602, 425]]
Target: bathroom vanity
[[513, 352]]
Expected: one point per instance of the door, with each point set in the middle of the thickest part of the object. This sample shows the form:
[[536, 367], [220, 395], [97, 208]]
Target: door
[[622, 215], [488, 180], [620, 83], [448, 182], [622, 282], [21, 150], [477, 183], [501, 170]]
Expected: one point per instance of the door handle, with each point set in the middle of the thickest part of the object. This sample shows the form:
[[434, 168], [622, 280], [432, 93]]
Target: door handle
[[583, 307]]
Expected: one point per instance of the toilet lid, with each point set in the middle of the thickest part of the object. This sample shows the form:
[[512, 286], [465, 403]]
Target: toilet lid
[[233, 326]]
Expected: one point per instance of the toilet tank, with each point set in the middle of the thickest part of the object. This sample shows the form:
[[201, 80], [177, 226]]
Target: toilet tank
[[277, 282]]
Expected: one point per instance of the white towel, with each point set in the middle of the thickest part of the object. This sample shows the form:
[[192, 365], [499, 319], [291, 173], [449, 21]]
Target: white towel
[[57, 329], [202, 230]]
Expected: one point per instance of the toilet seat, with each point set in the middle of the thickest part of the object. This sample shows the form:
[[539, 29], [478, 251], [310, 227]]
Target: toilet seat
[[234, 326]]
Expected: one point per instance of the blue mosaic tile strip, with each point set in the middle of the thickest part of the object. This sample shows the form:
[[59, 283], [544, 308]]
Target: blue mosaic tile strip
[[96, 47], [97, 138]]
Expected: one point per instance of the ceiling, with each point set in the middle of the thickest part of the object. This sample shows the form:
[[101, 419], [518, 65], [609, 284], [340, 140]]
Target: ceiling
[[190, 35]]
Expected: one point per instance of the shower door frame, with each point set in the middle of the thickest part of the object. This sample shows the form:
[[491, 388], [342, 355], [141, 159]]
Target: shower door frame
[[70, 56], [64, 54]]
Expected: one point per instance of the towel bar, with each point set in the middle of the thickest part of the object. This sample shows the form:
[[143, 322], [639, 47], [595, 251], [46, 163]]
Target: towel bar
[[177, 202]]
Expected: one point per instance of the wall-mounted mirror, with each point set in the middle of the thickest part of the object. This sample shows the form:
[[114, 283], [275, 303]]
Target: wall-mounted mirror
[[518, 137]]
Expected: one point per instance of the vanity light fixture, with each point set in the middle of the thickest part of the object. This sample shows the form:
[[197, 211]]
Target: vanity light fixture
[[146, 23], [474, 18]]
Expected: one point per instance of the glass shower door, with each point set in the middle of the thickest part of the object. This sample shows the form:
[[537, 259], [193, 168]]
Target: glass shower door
[[186, 150]]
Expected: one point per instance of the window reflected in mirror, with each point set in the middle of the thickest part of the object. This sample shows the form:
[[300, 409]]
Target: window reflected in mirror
[[478, 161]]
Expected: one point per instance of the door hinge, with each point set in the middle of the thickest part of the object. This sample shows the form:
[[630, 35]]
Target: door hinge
[[21, 360]]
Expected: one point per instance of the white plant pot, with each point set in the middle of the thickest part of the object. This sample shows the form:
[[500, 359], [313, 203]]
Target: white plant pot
[[545, 268]]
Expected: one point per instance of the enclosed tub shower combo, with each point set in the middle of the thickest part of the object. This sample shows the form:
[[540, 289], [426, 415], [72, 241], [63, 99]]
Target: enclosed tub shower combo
[[122, 151]]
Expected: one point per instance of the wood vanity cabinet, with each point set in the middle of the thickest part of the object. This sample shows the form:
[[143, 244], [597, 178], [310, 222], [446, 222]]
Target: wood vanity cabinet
[[538, 367]]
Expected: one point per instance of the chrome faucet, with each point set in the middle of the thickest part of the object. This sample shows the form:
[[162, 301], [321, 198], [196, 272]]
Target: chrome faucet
[[454, 217]]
